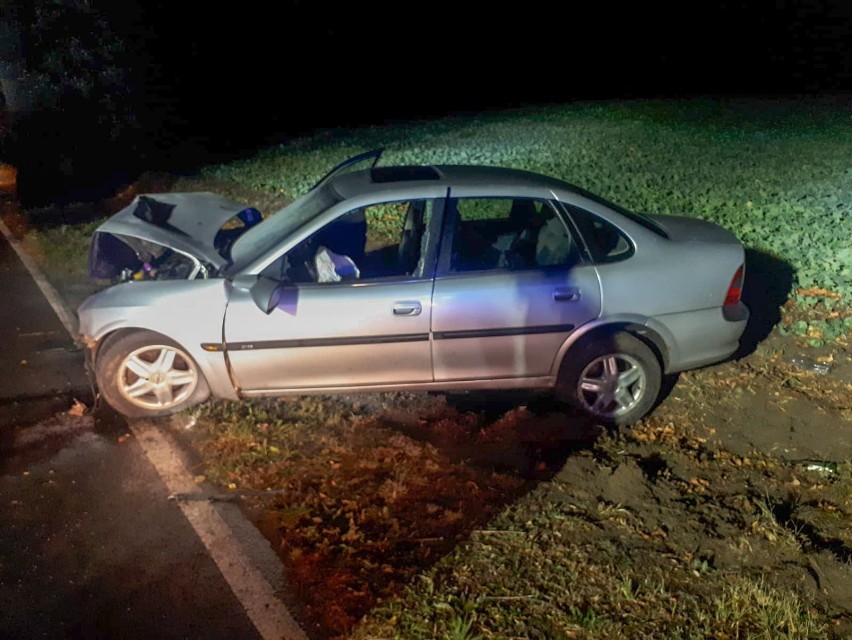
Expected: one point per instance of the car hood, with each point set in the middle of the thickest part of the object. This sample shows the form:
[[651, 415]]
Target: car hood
[[188, 223], [683, 229]]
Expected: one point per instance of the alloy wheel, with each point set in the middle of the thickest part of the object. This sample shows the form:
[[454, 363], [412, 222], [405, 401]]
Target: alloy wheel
[[611, 385], [157, 377]]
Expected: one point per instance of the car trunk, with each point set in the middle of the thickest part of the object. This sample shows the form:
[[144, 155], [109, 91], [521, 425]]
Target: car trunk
[[683, 229]]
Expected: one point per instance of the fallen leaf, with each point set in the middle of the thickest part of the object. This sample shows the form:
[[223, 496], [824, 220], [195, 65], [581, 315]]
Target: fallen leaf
[[77, 409], [819, 292]]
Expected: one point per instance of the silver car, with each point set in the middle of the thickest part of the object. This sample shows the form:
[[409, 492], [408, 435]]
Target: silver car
[[414, 278]]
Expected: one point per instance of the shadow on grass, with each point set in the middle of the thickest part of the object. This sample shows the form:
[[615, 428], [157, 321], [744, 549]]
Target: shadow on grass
[[768, 283], [362, 504], [536, 433]]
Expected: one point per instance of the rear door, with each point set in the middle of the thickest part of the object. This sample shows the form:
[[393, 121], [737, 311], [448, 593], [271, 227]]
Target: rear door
[[511, 287]]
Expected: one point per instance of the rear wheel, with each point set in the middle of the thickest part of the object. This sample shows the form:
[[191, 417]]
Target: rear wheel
[[145, 374], [615, 379]]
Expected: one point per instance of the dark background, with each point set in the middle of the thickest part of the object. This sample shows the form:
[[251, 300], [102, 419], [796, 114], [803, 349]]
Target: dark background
[[315, 63], [141, 85]]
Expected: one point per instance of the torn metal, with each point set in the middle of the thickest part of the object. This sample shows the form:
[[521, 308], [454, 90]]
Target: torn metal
[[169, 236]]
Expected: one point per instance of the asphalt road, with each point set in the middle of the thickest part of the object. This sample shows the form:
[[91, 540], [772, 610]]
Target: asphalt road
[[40, 368], [90, 545]]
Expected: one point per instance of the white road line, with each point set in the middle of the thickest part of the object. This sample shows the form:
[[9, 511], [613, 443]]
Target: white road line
[[269, 615], [257, 596], [65, 316]]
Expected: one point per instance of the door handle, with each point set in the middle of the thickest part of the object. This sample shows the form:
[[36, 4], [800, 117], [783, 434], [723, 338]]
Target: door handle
[[407, 308], [566, 294]]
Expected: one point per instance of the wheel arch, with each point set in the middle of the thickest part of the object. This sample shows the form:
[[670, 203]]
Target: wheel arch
[[96, 346], [596, 330], [215, 374]]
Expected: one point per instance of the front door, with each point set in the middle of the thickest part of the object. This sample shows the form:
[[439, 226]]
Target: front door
[[332, 336], [355, 309]]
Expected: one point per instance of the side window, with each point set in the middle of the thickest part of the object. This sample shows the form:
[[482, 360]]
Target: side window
[[378, 241], [605, 241], [509, 233]]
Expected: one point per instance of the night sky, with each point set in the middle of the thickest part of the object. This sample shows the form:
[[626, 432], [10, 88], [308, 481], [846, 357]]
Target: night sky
[[311, 63]]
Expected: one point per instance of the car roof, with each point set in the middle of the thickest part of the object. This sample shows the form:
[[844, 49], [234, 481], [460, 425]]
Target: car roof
[[465, 179]]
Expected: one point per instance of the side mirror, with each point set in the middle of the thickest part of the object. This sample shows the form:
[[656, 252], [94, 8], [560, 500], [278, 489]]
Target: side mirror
[[266, 294]]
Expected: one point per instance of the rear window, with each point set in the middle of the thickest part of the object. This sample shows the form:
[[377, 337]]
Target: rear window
[[605, 241], [639, 219]]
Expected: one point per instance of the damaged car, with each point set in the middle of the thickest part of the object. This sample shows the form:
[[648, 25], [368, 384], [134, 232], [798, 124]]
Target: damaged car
[[408, 278]]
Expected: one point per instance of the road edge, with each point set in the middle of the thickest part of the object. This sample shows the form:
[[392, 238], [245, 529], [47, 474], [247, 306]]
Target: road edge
[[66, 317], [254, 592]]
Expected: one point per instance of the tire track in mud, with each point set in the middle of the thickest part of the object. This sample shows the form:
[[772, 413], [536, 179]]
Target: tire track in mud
[[814, 539]]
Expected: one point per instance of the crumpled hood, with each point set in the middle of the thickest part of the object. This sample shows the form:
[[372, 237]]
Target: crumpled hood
[[189, 223]]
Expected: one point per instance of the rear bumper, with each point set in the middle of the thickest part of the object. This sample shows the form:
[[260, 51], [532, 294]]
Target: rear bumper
[[698, 338]]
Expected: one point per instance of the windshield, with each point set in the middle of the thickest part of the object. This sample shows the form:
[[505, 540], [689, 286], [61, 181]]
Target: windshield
[[267, 235]]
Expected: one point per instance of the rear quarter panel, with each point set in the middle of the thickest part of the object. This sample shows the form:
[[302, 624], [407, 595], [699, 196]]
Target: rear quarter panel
[[679, 287], [665, 277]]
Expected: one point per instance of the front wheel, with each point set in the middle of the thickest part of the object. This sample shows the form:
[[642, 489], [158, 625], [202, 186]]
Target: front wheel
[[144, 374], [615, 379]]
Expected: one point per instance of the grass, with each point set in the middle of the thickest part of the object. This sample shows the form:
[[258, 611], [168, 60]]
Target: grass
[[63, 249], [750, 608], [363, 492], [564, 579]]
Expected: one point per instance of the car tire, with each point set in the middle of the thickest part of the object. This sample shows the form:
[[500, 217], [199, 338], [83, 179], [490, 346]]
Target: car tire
[[614, 379], [145, 375]]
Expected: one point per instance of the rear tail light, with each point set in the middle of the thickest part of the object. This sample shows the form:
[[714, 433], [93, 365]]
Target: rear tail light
[[735, 291]]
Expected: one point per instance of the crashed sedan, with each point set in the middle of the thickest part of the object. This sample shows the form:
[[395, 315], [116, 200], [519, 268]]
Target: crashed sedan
[[414, 278]]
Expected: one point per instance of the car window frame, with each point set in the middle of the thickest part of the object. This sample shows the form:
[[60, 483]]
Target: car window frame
[[433, 230], [568, 210], [444, 269]]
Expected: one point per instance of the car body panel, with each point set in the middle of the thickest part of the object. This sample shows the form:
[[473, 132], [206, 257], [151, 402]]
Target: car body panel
[[699, 337], [189, 226], [683, 229], [649, 288], [486, 384], [332, 334], [508, 324], [190, 312]]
